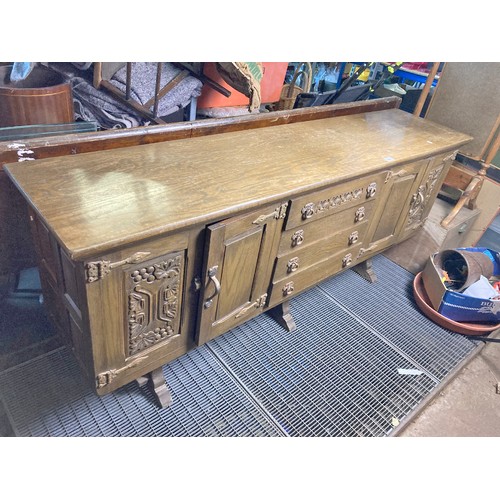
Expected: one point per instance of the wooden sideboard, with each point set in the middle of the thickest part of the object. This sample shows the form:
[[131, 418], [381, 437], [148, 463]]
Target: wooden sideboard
[[147, 251]]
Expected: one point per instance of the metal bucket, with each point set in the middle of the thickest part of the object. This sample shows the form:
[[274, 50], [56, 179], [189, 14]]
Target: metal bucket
[[42, 97], [464, 267]]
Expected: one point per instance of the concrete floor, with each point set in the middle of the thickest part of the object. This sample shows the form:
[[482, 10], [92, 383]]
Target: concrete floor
[[469, 405]]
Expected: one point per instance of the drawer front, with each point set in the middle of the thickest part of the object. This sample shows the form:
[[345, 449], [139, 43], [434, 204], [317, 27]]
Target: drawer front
[[332, 200], [296, 238], [290, 286], [304, 257]]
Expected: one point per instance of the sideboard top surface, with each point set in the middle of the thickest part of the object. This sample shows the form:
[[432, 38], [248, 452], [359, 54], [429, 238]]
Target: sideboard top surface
[[97, 201]]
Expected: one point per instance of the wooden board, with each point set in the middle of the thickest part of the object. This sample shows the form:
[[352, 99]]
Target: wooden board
[[97, 201]]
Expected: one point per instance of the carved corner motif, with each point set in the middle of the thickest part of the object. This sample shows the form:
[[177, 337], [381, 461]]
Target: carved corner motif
[[153, 304], [105, 378], [258, 304], [278, 213], [421, 198], [97, 270]]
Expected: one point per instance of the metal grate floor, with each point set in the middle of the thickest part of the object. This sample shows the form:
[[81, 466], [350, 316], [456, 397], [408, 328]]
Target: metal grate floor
[[339, 374]]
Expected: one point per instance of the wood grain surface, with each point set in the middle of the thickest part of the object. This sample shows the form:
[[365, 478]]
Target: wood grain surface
[[97, 201]]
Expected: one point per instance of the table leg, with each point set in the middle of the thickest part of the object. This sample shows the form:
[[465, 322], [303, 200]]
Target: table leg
[[281, 313], [158, 385], [365, 270]]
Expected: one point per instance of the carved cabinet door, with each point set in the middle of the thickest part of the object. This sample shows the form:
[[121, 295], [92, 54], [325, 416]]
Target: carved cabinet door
[[425, 193], [237, 270], [137, 314]]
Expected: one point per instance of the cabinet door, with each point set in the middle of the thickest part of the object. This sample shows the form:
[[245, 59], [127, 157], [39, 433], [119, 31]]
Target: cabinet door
[[425, 194], [393, 206], [136, 316], [238, 265]]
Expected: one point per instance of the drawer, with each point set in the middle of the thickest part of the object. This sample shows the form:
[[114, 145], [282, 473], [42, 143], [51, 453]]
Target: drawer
[[290, 286], [334, 199], [304, 257], [352, 218]]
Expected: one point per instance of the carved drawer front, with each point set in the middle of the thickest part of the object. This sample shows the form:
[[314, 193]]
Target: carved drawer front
[[303, 257], [298, 281], [300, 237], [333, 200]]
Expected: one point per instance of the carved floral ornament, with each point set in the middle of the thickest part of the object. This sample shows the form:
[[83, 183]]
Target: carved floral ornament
[[153, 304], [335, 201], [421, 198]]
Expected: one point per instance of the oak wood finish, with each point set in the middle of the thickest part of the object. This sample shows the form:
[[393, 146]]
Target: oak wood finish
[[165, 246], [246, 169], [239, 264], [16, 248]]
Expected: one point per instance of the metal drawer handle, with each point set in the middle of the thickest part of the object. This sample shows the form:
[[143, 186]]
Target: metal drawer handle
[[212, 275], [308, 211], [347, 260], [292, 265], [297, 238], [353, 237], [359, 215], [371, 190]]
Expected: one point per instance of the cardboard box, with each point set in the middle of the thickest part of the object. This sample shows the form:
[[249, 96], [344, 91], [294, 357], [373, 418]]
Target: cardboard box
[[455, 305]]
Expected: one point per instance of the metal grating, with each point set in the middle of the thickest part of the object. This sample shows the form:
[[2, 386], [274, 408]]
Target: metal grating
[[331, 377], [49, 397], [389, 309], [336, 375]]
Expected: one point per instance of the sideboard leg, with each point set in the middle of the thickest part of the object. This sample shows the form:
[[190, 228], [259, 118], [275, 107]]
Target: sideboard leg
[[160, 388], [281, 313], [365, 270], [142, 381]]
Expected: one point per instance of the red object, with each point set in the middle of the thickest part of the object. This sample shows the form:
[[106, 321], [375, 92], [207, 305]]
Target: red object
[[416, 66], [425, 306], [270, 87]]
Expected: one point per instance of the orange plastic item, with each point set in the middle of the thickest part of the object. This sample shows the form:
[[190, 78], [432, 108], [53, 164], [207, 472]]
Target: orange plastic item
[[270, 87]]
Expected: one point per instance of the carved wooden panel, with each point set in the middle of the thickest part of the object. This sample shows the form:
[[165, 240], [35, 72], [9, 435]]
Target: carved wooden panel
[[420, 199], [154, 292], [333, 200]]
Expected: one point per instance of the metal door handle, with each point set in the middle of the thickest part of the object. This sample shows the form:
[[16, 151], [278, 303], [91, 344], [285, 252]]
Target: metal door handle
[[212, 275]]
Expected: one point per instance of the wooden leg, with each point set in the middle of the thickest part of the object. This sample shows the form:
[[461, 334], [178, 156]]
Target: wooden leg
[[142, 381], [365, 270], [281, 313], [158, 385]]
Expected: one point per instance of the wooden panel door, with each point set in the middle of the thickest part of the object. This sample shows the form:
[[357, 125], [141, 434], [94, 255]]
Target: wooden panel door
[[393, 206], [238, 265]]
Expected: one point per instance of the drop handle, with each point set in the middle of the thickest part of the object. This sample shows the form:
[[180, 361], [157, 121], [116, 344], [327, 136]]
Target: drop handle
[[213, 278]]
